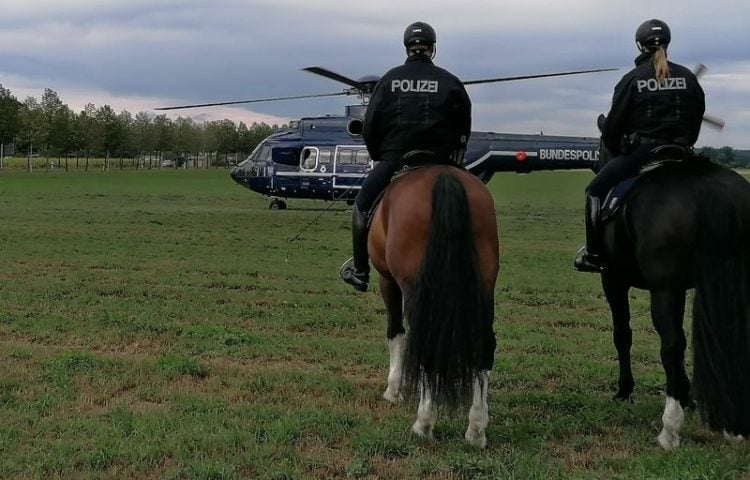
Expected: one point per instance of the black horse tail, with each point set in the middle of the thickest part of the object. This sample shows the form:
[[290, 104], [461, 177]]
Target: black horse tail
[[721, 320], [449, 312]]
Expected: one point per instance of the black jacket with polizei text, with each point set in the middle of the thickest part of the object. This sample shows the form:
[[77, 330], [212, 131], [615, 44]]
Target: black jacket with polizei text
[[668, 110], [417, 106]]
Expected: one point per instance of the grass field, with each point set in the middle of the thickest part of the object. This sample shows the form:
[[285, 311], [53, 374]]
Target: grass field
[[162, 325]]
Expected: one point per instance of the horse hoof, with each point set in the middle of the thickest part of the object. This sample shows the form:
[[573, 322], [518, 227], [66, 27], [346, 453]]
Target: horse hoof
[[622, 397], [667, 441], [390, 397], [732, 438], [476, 439], [424, 431]]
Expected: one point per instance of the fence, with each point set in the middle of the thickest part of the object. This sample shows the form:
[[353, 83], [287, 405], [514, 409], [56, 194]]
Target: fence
[[154, 161]]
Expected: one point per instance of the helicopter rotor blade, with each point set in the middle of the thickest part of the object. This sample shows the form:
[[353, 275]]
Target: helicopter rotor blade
[[699, 70], [715, 122], [526, 77], [257, 100], [335, 76]]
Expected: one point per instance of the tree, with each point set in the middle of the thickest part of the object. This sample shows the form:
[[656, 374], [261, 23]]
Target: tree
[[9, 119], [227, 137], [185, 137], [129, 145], [31, 131], [89, 130], [112, 131], [164, 133], [145, 137], [55, 122]]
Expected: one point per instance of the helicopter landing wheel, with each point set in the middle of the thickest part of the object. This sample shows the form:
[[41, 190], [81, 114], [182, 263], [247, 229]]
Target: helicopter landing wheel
[[277, 204]]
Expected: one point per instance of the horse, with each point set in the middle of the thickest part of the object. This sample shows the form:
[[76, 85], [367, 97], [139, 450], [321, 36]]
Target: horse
[[686, 225], [433, 240]]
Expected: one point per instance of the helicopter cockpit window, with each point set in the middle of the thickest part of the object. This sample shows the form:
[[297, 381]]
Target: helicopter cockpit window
[[345, 157], [264, 154], [309, 159], [362, 158], [324, 156]]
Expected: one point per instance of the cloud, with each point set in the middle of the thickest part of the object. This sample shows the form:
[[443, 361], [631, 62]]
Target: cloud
[[143, 54]]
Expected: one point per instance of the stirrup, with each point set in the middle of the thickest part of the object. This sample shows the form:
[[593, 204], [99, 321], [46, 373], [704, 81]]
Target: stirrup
[[586, 262], [349, 274]]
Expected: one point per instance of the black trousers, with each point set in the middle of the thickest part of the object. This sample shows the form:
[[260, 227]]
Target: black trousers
[[617, 170], [375, 182]]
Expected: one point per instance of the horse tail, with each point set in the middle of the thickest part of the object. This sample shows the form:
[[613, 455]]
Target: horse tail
[[449, 312], [721, 320]]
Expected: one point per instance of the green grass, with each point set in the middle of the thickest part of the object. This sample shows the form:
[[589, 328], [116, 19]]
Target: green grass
[[162, 325]]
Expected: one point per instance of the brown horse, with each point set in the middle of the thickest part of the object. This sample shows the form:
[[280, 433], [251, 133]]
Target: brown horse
[[434, 242]]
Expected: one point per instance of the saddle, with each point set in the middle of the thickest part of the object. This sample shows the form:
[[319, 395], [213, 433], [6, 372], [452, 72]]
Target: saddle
[[661, 155], [412, 160]]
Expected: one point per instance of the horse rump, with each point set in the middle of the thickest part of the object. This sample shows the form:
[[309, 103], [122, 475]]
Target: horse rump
[[449, 311]]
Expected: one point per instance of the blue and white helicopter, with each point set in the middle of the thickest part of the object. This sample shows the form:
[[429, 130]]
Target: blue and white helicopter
[[325, 158]]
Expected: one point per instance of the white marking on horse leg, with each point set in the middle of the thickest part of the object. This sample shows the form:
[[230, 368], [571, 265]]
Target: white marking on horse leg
[[479, 412], [673, 417], [426, 414], [395, 371], [733, 438]]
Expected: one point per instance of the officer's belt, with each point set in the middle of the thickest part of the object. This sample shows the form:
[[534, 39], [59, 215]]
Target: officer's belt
[[637, 140]]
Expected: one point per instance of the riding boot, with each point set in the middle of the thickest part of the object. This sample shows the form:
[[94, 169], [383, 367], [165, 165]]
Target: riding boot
[[356, 270], [589, 258]]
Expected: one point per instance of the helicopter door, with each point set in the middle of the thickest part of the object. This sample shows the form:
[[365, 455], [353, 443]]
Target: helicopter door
[[351, 166]]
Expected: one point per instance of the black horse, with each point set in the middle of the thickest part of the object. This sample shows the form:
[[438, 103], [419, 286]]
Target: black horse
[[686, 225]]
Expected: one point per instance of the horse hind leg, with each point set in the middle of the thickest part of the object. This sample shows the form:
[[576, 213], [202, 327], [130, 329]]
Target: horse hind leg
[[392, 298], [672, 420], [426, 413], [479, 412], [395, 370], [667, 310], [733, 438]]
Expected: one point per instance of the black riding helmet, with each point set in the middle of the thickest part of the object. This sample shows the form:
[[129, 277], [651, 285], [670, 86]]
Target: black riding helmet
[[652, 33], [419, 33]]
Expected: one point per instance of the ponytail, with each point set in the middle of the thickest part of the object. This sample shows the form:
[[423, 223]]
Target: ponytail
[[660, 64]]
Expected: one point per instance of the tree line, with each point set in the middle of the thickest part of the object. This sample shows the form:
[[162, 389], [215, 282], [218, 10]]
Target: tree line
[[728, 156], [48, 127]]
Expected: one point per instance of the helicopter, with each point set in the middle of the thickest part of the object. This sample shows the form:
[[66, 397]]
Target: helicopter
[[325, 158]]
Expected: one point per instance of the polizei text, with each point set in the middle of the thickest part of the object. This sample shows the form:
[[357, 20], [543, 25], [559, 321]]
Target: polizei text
[[416, 86], [670, 83]]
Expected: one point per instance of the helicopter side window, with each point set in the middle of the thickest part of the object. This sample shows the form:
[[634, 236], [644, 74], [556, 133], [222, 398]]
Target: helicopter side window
[[345, 157], [362, 158], [324, 156], [309, 159]]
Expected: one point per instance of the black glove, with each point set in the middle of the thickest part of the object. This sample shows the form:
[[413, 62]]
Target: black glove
[[600, 121]]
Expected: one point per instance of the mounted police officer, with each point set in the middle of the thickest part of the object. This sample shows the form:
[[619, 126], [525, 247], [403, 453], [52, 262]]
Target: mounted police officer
[[415, 108], [656, 103]]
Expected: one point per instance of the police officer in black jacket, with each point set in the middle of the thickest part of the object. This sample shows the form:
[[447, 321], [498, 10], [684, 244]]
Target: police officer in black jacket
[[656, 103], [415, 107]]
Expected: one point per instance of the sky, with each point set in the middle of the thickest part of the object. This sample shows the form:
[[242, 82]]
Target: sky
[[136, 55]]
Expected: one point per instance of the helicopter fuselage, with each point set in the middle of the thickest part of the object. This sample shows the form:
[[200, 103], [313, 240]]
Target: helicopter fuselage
[[325, 158]]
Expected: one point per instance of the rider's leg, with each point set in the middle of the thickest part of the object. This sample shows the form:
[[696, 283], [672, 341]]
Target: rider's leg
[[356, 271], [359, 240], [613, 172]]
